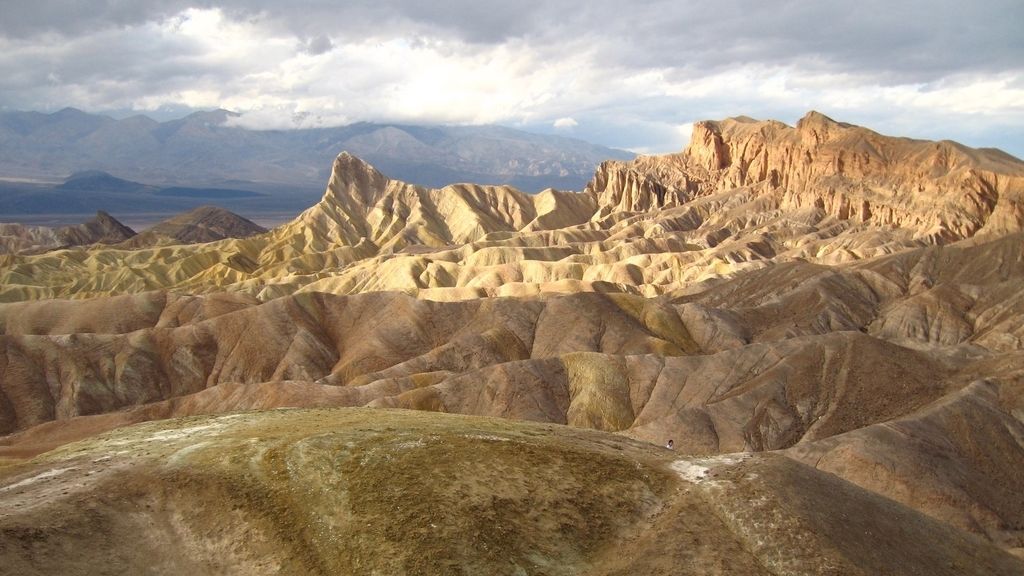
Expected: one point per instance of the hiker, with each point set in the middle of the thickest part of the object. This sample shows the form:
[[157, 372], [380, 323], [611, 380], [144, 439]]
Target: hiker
[[671, 445]]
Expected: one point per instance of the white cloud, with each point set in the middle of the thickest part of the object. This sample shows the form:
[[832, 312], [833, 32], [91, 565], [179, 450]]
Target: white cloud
[[635, 82], [565, 123], [288, 116]]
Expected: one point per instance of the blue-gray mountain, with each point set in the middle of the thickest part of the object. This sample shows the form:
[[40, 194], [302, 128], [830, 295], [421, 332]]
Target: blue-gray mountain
[[93, 190], [208, 149]]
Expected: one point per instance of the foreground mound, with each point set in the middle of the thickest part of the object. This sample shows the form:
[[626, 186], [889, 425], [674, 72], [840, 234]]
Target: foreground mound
[[369, 491]]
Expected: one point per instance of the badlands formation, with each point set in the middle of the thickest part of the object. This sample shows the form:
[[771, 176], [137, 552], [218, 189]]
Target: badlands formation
[[101, 229], [203, 224], [827, 321]]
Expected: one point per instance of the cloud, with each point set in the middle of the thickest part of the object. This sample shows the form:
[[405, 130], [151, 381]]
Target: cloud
[[319, 45], [565, 123], [624, 77], [287, 116]]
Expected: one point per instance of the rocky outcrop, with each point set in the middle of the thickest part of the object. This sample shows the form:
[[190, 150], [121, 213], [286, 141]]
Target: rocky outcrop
[[620, 189], [16, 238], [937, 191], [941, 191], [101, 229], [362, 205]]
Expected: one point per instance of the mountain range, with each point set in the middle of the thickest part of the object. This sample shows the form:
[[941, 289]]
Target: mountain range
[[210, 149], [94, 190], [828, 323]]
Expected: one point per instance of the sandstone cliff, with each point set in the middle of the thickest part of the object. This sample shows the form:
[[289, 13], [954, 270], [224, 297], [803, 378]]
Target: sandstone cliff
[[941, 191]]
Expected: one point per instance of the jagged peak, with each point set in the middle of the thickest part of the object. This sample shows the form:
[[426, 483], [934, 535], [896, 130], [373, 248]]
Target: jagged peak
[[816, 127], [348, 162], [350, 171], [104, 216], [102, 228], [108, 222], [814, 117]]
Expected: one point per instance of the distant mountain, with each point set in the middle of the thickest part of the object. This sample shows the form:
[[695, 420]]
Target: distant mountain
[[90, 190], [98, 181], [206, 149]]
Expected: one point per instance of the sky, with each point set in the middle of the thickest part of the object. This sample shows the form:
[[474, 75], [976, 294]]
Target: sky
[[631, 75]]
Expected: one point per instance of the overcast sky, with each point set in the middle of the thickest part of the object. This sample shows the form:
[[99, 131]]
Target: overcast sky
[[625, 74]]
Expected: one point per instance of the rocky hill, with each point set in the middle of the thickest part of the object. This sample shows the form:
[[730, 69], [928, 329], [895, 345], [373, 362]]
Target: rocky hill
[[828, 322], [202, 225], [102, 229]]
